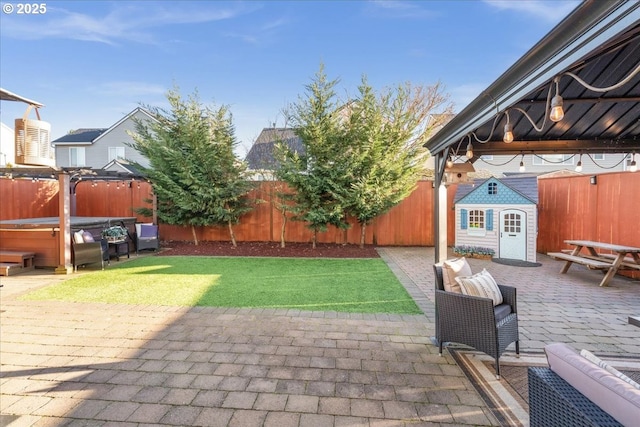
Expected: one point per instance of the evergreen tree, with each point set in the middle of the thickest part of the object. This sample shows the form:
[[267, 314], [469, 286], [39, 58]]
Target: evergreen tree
[[193, 170], [386, 134], [313, 175]]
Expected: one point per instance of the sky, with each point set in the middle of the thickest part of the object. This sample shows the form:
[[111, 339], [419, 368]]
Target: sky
[[92, 62]]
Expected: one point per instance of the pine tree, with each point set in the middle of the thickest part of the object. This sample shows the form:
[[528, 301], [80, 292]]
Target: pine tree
[[194, 172]]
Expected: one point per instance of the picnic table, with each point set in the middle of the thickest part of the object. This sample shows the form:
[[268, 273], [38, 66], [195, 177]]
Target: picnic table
[[617, 257]]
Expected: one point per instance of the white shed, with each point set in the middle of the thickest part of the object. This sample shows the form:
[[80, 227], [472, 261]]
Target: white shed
[[501, 214]]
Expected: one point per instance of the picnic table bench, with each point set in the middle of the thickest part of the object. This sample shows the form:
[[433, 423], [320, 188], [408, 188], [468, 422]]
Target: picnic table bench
[[622, 257]]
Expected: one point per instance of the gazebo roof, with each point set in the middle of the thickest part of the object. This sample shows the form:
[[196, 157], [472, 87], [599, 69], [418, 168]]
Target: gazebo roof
[[599, 42]]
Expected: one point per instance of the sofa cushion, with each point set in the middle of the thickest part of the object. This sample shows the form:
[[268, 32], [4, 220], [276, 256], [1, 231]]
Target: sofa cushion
[[595, 359], [147, 231], [614, 396], [453, 268], [87, 237], [481, 285]]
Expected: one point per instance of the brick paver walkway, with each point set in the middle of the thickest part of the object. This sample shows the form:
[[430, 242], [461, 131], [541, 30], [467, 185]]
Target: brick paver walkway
[[97, 364]]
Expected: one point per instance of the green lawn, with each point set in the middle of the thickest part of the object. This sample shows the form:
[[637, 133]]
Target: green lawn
[[321, 284]]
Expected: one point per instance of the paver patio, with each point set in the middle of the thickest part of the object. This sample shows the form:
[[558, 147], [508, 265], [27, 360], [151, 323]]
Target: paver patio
[[98, 364]]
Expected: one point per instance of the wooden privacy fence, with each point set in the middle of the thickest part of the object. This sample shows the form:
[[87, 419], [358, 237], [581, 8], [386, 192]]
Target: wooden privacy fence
[[569, 208]]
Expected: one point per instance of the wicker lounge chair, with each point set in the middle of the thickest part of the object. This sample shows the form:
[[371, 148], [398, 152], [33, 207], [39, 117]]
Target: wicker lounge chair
[[147, 237], [475, 322]]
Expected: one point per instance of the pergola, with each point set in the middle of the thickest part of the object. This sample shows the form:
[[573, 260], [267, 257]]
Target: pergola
[[592, 61]]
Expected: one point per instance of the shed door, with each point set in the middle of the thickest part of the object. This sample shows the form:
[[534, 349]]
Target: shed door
[[513, 236]]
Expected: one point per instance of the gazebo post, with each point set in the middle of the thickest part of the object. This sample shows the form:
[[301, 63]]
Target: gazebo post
[[64, 213], [440, 207]]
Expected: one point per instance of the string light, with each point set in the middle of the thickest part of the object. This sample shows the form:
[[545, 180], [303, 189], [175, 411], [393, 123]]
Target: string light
[[469, 151], [508, 131], [579, 164], [557, 112], [522, 168], [632, 166]]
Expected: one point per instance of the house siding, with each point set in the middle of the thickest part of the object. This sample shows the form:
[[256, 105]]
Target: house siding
[[97, 152]]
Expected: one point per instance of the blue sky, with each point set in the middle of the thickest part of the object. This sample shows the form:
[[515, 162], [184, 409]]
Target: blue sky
[[92, 62]]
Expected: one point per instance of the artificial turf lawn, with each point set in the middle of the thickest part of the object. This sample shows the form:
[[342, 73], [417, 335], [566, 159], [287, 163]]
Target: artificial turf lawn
[[320, 284]]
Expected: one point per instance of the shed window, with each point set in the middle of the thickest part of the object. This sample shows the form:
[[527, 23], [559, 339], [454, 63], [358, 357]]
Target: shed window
[[476, 219], [493, 188]]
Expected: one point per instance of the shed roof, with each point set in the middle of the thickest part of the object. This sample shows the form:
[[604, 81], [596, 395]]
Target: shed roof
[[527, 186]]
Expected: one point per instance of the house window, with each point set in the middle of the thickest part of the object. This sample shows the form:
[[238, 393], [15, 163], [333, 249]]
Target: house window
[[493, 188], [597, 156], [76, 156], [116, 153]]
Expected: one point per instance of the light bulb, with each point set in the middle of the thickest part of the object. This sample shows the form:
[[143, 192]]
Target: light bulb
[[633, 167], [579, 164], [508, 134], [522, 168], [469, 151], [449, 163], [557, 112]]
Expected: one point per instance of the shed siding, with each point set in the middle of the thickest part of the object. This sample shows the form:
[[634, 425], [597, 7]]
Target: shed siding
[[492, 237]]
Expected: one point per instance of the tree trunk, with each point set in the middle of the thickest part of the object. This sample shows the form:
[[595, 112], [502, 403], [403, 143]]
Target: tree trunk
[[195, 237], [282, 229], [314, 238], [232, 234], [363, 227]]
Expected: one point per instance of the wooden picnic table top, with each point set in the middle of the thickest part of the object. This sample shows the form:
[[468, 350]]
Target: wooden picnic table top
[[601, 245]]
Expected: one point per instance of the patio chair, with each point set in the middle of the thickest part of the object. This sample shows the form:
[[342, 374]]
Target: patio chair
[[147, 237], [475, 322], [90, 252]]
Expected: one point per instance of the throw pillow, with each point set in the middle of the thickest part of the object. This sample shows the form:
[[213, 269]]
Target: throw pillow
[[481, 285], [452, 269], [78, 237], [604, 365], [87, 237], [147, 231]]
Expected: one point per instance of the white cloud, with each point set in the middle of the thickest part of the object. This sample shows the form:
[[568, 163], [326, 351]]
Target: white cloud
[[551, 11], [127, 22]]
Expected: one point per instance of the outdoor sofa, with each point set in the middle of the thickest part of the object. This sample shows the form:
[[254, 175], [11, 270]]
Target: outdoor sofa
[[87, 250], [575, 391]]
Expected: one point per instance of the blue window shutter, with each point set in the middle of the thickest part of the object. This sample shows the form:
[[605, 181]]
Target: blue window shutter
[[489, 226], [463, 219]]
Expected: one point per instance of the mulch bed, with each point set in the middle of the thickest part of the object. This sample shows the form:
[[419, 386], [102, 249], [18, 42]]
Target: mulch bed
[[267, 249]]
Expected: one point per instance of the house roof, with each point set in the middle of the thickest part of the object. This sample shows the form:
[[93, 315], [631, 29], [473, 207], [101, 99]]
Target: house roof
[[526, 186], [90, 136], [79, 136], [261, 154], [121, 165], [600, 43]]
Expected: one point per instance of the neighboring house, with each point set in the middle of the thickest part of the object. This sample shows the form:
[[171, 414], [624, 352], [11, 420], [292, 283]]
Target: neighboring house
[[98, 148], [501, 214], [261, 159]]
